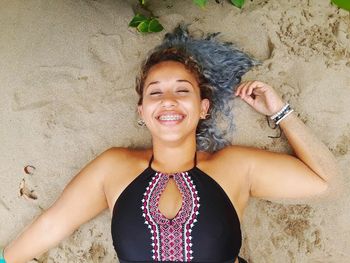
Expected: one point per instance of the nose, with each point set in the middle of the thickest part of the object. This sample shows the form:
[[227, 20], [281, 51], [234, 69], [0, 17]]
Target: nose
[[168, 100]]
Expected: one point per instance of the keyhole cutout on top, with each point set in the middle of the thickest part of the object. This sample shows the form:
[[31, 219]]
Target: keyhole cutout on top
[[170, 200]]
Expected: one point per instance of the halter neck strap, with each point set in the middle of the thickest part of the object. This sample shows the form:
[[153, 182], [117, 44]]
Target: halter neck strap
[[195, 160]]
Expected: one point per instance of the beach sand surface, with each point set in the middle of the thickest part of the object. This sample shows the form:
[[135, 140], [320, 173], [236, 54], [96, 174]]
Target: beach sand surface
[[67, 74]]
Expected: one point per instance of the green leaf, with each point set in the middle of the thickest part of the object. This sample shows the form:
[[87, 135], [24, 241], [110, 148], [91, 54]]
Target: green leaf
[[344, 4], [200, 3], [137, 19], [238, 3], [142, 2], [143, 26], [155, 26]]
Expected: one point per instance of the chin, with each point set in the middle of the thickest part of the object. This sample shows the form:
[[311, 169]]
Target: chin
[[175, 137]]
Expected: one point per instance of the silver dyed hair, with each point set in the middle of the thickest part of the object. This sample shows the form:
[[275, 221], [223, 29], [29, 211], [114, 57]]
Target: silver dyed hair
[[223, 65]]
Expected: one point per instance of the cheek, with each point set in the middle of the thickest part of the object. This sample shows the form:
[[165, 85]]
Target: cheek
[[193, 107], [148, 108]]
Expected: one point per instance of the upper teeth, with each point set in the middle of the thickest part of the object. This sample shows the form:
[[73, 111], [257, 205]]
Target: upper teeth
[[170, 117]]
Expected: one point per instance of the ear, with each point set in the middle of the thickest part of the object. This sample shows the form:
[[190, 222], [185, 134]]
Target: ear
[[140, 110], [205, 103]]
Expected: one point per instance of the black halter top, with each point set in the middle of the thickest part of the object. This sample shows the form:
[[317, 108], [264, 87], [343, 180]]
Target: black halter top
[[205, 229]]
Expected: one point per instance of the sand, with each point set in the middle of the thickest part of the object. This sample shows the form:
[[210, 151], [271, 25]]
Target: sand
[[67, 93]]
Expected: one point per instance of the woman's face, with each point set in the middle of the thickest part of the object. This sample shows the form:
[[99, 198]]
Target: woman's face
[[171, 106]]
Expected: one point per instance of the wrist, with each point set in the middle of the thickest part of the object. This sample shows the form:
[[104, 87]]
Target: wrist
[[278, 108], [282, 114]]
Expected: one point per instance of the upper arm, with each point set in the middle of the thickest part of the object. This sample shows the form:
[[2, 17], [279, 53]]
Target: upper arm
[[280, 176], [84, 197]]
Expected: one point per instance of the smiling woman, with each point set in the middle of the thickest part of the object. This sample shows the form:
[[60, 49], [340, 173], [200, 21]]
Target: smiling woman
[[183, 199], [217, 68], [171, 98]]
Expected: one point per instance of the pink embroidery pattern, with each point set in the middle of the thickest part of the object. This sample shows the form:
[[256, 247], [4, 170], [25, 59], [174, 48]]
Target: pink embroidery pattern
[[171, 238]]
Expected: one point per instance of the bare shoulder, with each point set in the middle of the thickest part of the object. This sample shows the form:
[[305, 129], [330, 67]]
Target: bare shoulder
[[120, 157], [243, 160], [239, 150], [236, 157], [125, 164], [244, 156]]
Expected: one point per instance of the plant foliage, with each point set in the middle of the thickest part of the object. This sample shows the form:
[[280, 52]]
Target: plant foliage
[[146, 24], [238, 3], [200, 3], [150, 24], [344, 4]]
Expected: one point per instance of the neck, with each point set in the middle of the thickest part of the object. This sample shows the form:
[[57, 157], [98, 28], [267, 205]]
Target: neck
[[174, 156]]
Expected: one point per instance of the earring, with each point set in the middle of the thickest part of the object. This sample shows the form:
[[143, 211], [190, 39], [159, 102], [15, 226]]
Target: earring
[[141, 123], [205, 116]]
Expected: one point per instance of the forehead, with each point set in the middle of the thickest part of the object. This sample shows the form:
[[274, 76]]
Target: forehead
[[170, 71]]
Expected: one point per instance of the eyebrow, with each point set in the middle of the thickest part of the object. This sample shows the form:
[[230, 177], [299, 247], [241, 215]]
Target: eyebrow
[[178, 80]]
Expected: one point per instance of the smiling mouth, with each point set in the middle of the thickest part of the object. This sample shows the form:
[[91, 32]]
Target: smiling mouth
[[170, 118]]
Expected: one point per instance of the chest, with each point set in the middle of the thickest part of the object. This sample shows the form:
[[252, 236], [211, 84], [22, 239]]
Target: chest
[[200, 210], [171, 198]]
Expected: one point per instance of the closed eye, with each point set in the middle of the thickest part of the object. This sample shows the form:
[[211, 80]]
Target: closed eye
[[155, 92], [158, 92]]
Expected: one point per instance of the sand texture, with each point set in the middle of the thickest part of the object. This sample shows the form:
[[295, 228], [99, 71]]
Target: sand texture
[[67, 74]]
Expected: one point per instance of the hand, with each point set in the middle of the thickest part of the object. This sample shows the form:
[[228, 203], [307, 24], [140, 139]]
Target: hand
[[263, 98]]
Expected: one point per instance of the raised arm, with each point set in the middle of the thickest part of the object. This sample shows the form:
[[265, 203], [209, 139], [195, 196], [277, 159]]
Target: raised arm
[[82, 199], [282, 176]]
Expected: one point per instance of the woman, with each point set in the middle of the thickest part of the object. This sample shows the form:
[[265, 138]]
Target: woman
[[173, 202]]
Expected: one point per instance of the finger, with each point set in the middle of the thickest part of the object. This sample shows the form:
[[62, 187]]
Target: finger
[[239, 88], [255, 84], [259, 83], [250, 90], [259, 91], [248, 99], [250, 93], [243, 91], [262, 85]]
